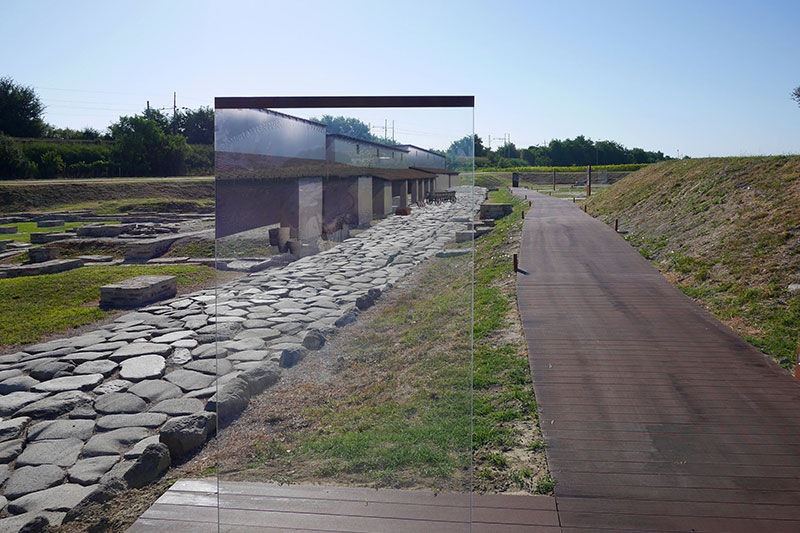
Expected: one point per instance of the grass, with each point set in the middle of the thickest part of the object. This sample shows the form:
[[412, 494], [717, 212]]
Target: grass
[[36, 306], [24, 229], [725, 231], [399, 414], [192, 249]]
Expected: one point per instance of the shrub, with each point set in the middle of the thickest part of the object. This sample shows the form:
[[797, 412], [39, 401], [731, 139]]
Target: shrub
[[13, 163], [51, 165]]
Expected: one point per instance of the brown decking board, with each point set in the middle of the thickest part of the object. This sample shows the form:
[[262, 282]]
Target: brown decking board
[[657, 416], [192, 506]]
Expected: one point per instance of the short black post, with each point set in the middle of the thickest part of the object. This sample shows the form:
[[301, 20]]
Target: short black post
[[616, 224], [584, 208], [516, 263], [797, 363]]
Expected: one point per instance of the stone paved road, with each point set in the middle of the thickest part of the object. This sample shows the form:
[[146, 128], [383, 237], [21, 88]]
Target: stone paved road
[[81, 411]]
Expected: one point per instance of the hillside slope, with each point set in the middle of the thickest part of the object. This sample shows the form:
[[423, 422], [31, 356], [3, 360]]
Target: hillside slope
[[57, 194], [726, 231]]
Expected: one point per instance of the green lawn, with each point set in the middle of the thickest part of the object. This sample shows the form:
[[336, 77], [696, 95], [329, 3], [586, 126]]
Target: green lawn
[[36, 306]]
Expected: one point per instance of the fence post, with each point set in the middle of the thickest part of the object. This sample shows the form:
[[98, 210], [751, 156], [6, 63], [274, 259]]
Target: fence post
[[554, 178], [588, 181], [797, 363]]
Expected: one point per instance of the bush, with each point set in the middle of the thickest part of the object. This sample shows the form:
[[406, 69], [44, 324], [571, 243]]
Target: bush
[[13, 164], [51, 166], [82, 169], [200, 160]]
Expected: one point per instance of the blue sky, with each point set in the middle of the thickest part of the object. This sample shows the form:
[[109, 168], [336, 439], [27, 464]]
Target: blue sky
[[702, 77]]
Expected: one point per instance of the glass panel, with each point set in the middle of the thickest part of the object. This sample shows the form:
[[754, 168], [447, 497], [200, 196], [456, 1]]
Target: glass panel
[[344, 319]]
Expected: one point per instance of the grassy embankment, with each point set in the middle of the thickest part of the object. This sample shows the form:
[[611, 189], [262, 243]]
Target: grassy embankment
[[397, 412], [109, 196], [36, 306], [726, 231]]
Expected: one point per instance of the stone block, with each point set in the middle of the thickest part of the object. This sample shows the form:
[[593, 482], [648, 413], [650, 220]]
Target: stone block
[[138, 291], [41, 254], [48, 267], [44, 238], [8, 230], [52, 223], [103, 230], [495, 211]]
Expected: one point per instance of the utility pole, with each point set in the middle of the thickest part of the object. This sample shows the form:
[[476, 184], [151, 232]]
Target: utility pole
[[174, 113], [393, 131], [148, 107], [385, 133]]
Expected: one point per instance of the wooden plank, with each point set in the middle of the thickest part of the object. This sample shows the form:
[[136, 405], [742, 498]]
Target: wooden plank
[[656, 416], [247, 506]]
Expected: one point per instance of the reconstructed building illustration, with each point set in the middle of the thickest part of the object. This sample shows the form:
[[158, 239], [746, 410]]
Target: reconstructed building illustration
[[279, 170]]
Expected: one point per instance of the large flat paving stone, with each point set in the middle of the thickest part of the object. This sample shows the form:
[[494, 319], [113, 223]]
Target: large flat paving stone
[[215, 367], [143, 367], [178, 406], [114, 442], [189, 380], [12, 402], [104, 367], [145, 420], [155, 390], [60, 452], [137, 349], [18, 383], [60, 498], [69, 383], [27, 479], [114, 385], [119, 402], [172, 337], [54, 406], [61, 429], [10, 449], [15, 524], [13, 428], [89, 471]]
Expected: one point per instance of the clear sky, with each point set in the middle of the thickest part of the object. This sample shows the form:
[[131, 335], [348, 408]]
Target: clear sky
[[701, 77]]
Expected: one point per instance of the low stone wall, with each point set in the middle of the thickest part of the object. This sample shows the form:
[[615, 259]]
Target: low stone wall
[[138, 291], [495, 211], [47, 267]]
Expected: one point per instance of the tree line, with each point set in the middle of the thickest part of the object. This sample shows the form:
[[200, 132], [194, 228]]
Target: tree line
[[146, 144], [579, 151]]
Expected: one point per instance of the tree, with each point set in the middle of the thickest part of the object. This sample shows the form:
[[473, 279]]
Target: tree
[[20, 110], [198, 125], [352, 127], [480, 149], [141, 148], [796, 94]]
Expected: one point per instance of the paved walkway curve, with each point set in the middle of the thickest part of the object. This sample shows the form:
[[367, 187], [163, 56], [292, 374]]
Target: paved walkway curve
[[657, 417]]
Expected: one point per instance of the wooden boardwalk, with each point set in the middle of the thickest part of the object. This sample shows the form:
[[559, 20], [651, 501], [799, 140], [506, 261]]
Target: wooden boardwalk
[[657, 417], [190, 506]]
